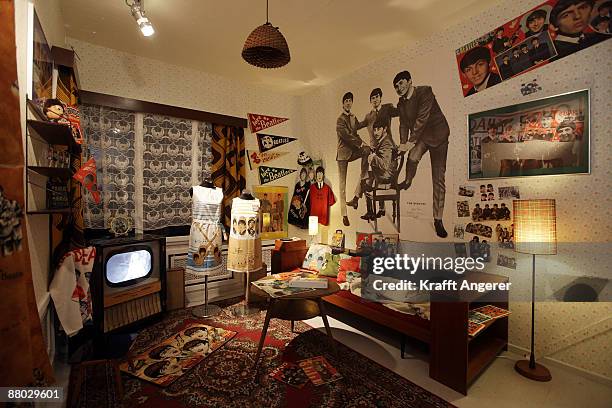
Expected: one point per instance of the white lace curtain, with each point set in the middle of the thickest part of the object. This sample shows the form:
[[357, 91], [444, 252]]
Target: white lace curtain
[[146, 164]]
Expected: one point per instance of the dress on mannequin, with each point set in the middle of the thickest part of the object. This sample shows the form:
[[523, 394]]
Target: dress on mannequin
[[205, 239], [244, 248]]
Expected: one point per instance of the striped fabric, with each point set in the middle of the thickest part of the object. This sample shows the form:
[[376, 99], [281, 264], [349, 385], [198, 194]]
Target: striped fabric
[[228, 165]]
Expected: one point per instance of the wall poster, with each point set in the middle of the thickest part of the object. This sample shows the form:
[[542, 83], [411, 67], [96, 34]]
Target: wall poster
[[42, 67], [548, 32], [273, 208], [541, 137]]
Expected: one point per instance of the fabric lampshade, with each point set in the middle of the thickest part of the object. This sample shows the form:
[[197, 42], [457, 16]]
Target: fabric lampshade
[[535, 226]]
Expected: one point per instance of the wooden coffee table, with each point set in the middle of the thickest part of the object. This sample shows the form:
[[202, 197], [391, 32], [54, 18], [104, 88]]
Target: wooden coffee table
[[302, 306]]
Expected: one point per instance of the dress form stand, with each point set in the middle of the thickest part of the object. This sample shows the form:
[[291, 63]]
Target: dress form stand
[[206, 310], [245, 258]]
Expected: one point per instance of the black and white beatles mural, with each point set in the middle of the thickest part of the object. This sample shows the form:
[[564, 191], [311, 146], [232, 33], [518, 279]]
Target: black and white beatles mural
[[384, 147]]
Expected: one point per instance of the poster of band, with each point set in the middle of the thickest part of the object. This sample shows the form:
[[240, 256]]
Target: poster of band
[[541, 137], [548, 32], [273, 208], [387, 143]]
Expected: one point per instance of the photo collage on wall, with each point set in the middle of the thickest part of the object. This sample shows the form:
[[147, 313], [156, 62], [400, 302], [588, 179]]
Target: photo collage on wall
[[547, 32], [485, 221]]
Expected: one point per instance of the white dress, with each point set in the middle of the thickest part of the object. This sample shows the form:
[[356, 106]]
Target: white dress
[[206, 235], [244, 248]]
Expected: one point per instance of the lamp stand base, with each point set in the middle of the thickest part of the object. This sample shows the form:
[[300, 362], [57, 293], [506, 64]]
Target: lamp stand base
[[206, 311], [539, 373]]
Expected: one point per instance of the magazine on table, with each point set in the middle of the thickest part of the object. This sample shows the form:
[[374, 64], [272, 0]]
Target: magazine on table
[[474, 328], [478, 318], [279, 287]]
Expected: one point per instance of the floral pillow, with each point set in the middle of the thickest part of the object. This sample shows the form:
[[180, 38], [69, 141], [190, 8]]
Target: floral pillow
[[348, 266], [315, 258], [332, 264]]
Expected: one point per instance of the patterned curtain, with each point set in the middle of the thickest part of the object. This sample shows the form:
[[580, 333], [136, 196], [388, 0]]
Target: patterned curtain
[[168, 168], [146, 165], [228, 165], [109, 137]]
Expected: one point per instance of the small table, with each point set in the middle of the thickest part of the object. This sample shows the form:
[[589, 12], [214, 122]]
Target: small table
[[302, 306]]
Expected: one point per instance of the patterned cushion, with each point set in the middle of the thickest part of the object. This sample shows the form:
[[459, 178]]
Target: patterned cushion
[[348, 266], [315, 258], [332, 263]]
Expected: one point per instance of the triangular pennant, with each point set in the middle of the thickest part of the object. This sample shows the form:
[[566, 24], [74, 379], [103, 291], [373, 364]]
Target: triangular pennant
[[269, 142], [268, 174], [260, 122], [256, 158]]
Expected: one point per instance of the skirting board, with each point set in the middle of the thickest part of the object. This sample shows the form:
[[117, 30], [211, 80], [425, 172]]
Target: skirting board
[[194, 294], [557, 363]]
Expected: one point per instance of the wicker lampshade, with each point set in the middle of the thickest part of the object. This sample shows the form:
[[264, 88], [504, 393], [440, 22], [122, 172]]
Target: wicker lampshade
[[266, 48], [535, 226]]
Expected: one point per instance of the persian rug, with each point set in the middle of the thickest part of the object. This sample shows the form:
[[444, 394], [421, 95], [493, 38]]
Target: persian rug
[[226, 378]]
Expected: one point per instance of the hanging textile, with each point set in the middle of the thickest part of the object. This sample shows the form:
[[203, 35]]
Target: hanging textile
[[206, 235], [23, 355], [228, 161], [244, 247], [109, 137]]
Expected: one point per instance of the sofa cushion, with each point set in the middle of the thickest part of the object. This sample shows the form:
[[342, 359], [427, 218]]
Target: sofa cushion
[[348, 265], [315, 257]]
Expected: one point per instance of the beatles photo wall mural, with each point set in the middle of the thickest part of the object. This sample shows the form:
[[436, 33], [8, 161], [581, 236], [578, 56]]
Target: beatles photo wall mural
[[387, 153], [546, 33]]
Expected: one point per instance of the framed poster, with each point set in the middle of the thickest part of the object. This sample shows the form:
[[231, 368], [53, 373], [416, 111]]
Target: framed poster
[[42, 64], [546, 136], [547, 32], [274, 208]]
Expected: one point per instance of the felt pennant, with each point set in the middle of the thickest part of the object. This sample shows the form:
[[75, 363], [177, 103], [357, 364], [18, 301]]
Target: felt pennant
[[268, 142], [260, 122], [268, 174], [257, 158], [87, 176]]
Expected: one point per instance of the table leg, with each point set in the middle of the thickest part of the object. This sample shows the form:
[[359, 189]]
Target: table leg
[[293, 326], [326, 323], [262, 339]]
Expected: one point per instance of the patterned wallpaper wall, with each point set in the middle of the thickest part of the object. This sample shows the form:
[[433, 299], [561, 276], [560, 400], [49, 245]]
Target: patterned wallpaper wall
[[575, 333]]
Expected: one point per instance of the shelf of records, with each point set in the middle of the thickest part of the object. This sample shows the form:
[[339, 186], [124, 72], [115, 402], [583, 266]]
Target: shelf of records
[[480, 318]]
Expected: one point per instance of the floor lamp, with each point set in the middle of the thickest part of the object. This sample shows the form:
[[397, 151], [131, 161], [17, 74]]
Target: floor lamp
[[535, 233]]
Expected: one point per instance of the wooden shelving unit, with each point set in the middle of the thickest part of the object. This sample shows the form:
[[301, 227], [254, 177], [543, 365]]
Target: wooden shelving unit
[[457, 359], [60, 172], [52, 133]]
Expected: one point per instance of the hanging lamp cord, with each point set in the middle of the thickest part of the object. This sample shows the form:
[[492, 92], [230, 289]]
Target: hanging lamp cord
[[267, 19]]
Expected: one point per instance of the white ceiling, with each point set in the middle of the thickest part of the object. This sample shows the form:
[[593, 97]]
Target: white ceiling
[[327, 38]]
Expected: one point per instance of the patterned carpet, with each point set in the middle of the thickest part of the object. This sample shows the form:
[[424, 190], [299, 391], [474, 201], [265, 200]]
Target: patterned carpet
[[225, 379]]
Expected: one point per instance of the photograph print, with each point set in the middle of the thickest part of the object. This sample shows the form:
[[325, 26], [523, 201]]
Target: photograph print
[[387, 153], [541, 137], [547, 32], [273, 208], [42, 66]]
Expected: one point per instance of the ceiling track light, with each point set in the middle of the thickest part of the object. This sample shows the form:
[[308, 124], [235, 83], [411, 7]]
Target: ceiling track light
[[138, 12]]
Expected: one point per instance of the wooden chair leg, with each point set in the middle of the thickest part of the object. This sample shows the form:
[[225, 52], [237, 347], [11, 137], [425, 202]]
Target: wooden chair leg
[[262, 339]]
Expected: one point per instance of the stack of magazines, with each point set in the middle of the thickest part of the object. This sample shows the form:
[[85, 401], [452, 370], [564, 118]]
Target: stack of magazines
[[478, 318]]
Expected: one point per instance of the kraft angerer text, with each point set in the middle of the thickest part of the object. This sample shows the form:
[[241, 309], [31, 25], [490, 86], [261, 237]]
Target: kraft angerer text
[[413, 264]]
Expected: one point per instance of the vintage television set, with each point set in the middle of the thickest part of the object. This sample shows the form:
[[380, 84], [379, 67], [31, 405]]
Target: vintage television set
[[128, 281]]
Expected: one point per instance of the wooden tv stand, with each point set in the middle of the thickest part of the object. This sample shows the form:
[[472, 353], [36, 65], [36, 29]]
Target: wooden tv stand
[[455, 359]]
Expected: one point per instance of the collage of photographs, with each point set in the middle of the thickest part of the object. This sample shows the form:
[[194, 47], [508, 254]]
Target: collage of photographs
[[485, 220]]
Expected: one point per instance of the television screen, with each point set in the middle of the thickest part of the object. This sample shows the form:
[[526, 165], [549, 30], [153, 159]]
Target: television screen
[[127, 266]]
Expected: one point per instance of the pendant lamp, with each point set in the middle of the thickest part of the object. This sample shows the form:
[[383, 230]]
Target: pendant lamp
[[266, 47]]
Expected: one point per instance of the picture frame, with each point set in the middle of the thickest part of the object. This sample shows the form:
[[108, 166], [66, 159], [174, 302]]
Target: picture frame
[[272, 199], [42, 65], [547, 136]]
